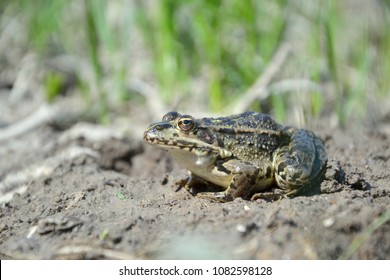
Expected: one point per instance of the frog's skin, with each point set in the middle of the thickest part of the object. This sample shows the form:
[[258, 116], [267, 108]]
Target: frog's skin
[[248, 155]]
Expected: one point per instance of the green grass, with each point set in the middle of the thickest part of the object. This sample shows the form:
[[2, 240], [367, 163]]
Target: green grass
[[215, 49], [97, 34], [120, 195], [42, 21], [225, 38], [104, 235]]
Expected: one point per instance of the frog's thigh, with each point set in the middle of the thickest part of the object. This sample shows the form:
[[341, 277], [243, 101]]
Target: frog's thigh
[[294, 163]]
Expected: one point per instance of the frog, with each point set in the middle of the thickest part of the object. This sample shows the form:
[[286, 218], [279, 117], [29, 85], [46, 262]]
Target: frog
[[247, 155]]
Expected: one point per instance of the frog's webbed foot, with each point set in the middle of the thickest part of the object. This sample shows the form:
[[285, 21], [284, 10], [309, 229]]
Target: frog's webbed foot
[[301, 164], [216, 196], [276, 194]]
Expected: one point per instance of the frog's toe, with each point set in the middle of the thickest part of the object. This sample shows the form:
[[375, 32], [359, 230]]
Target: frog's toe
[[274, 195], [216, 196]]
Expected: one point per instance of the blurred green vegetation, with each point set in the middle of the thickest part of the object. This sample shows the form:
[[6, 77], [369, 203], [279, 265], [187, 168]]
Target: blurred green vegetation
[[232, 40], [212, 51]]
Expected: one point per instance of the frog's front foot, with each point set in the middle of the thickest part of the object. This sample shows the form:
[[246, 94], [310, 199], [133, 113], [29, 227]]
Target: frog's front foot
[[202, 188], [187, 183]]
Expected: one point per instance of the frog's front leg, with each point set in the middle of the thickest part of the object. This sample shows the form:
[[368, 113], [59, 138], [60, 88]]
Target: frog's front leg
[[241, 178], [192, 182], [299, 165]]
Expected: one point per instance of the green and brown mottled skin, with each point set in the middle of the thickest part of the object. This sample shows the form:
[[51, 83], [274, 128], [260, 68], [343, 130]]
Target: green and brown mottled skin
[[248, 155]]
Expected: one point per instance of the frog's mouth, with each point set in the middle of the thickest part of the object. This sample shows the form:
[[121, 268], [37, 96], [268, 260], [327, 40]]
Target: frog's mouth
[[188, 145]]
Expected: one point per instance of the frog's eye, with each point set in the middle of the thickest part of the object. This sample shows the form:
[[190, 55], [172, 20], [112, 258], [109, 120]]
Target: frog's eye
[[186, 123], [170, 116]]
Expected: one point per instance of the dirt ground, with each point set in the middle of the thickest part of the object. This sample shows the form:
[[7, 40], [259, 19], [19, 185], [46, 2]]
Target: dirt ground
[[93, 192]]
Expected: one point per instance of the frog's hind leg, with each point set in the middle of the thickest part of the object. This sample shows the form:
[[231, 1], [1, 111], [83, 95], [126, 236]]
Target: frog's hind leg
[[272, 195], [299, 165]]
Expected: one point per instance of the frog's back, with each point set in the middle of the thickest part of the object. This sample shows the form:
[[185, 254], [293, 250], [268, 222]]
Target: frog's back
[[250, 121], [250, 136]]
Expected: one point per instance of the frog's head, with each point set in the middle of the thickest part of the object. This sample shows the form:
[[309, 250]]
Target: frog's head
[[185, 139]]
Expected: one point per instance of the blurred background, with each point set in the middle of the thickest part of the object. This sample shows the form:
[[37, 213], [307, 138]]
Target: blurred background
[[301, 61]]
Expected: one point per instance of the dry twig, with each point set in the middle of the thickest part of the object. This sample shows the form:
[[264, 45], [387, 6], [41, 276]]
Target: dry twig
[[259, 90]]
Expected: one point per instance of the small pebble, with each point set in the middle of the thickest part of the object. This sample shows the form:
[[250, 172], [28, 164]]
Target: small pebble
[[328, 222], [241, 228]]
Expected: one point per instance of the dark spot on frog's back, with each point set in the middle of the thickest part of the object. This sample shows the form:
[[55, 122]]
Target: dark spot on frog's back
[[226, 130], [269, 172], [281, 167]]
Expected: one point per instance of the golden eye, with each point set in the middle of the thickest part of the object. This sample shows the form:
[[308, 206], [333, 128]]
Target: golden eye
[[170, 116], [186, 123]]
